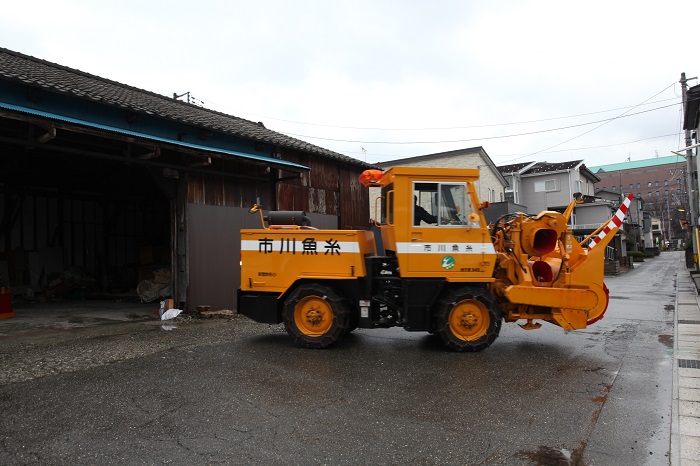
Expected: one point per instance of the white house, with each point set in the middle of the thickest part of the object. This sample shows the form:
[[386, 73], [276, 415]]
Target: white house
[[547, 186], [490, 187]]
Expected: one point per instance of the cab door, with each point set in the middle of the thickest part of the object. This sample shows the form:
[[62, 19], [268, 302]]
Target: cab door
[[455, 244]]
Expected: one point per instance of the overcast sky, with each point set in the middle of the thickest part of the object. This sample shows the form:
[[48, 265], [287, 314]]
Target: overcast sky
[[381, 80]]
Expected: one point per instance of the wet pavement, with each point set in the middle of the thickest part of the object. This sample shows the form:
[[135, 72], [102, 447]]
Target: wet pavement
[[70, 339], [33, 318], [68, 336]]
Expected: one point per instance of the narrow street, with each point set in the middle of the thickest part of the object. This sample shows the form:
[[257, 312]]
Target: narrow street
[[236, 392]]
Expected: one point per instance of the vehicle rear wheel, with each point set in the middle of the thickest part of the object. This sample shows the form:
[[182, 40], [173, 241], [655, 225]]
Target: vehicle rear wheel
[[468, 319], [315, 316]]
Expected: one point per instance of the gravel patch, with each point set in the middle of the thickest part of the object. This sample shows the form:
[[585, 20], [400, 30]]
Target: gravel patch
[[42, 352]]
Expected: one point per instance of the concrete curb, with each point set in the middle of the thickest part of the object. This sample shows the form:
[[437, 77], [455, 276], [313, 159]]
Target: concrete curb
[[685, 424]]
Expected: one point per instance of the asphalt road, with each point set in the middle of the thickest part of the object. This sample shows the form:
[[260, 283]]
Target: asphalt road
[[236, 392]]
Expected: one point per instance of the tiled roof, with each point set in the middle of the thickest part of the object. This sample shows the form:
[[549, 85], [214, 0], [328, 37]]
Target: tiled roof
[[539, 167], [32, 71], [514, 167], [545, 167]]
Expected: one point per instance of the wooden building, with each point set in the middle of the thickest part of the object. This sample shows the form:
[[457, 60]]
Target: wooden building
[[104, 186]]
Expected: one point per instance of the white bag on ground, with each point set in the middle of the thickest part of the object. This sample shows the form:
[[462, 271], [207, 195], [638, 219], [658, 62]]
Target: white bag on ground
[[170, 314]]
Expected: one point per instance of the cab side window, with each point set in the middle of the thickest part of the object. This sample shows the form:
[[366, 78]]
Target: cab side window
[[425, 204]]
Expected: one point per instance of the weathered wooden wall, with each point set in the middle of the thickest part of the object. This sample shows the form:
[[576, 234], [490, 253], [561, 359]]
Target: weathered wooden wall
[[330, 188], [226, 191]]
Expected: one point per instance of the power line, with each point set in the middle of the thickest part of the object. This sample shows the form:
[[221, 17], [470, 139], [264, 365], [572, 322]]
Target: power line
[[596, 147], [623, 114], [549, 152], [448, 128], [485, 138]]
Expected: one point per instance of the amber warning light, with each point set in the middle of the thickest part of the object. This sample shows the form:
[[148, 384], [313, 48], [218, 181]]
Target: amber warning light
[[371, 177]]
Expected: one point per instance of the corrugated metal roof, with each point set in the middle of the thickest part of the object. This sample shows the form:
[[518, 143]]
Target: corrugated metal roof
[[25, 69], [638, 164], [53, 116]]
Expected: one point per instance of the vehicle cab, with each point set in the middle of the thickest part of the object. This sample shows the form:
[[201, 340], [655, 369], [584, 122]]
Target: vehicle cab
[[433, 222]]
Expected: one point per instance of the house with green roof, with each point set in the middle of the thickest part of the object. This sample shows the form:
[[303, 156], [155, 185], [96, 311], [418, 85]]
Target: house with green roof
[[633, 164]]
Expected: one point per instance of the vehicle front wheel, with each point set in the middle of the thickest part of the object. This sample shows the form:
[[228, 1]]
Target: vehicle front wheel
[[467, 319], [315, 316]]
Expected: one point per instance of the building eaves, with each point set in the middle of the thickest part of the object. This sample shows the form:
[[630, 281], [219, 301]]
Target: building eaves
[[277, 163], [52, 77], [584, 169]]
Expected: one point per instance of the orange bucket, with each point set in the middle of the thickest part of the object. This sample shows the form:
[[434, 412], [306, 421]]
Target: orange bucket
[[6, 304]]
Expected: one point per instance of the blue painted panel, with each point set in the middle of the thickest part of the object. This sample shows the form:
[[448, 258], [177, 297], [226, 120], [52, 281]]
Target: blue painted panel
[[101, 116]]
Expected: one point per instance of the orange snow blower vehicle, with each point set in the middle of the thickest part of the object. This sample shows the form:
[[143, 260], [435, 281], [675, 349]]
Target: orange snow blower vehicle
[[437, 266]]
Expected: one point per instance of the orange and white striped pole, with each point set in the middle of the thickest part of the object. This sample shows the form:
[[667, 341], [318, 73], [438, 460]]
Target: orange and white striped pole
[[614, 222]]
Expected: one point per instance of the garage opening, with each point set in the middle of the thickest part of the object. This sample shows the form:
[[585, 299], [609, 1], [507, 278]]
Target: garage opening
[[81, 229]]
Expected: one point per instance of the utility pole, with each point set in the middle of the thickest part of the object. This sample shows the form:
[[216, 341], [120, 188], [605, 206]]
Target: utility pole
[[689, 172], [668, 214]]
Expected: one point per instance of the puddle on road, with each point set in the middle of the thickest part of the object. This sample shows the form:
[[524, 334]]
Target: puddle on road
[[666, 340], [546, 456], [602, 398]]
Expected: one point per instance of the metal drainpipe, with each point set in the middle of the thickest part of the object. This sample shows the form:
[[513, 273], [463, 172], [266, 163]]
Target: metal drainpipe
[[571, 195], [340, 197], [515, 191]]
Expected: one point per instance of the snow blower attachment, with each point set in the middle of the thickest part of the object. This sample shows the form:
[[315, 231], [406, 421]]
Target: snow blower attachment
[[545, 274]]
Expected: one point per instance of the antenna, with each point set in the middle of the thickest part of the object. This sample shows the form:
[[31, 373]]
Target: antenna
[[190, 98], [177, 96]]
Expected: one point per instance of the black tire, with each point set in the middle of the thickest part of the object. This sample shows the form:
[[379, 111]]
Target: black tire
[[315, 316], [353, 319], [467, 319]]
